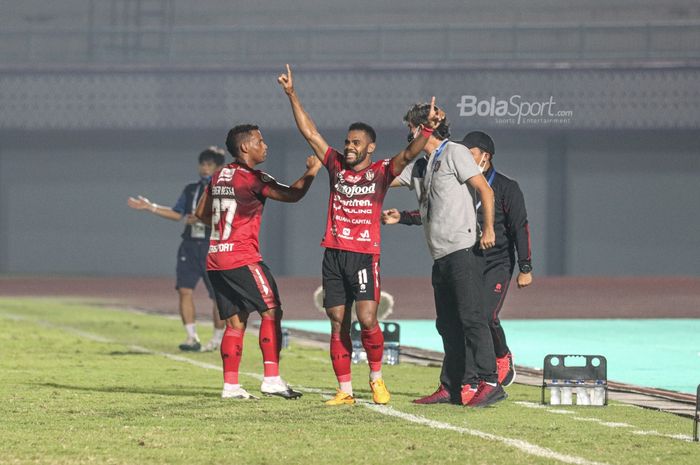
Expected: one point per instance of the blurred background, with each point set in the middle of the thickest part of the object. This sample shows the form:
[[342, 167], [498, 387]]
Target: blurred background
[[594, 108]]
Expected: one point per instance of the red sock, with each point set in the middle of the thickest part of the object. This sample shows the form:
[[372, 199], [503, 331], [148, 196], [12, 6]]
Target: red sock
[[231, 353], [373, 342], [269, 347], [341, 352]]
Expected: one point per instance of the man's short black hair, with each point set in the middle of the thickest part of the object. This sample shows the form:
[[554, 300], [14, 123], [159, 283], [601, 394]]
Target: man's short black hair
[[481, 140], [418, 114], [213, 154], [237, 135], [360, 126]]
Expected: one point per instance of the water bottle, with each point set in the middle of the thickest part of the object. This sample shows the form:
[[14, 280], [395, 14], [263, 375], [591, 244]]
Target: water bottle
[[285, 338], [566, 393], [598, 393], [392, 352], [582, 397], [554, 393], [358, 352]]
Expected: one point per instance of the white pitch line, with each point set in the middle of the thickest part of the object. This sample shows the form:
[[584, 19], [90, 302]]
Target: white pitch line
[[523, 446], [682, 437], [609, 424]]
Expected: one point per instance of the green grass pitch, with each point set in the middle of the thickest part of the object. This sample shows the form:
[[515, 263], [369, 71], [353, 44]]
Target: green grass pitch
[[85, 384]]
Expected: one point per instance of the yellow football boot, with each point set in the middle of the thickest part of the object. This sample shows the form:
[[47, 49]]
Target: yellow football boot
[[341, 398], [380, 394]]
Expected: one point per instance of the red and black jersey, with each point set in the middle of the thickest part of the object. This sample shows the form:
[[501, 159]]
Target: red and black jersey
[[238, 196], [355, 204]]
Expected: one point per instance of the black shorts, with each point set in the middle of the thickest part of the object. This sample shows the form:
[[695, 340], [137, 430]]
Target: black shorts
[[349, 276], [192, 265], [247, 288]]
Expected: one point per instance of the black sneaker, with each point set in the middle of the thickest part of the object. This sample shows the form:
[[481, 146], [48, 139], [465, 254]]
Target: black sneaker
[[487, 395], [191, 345], [280, 390]]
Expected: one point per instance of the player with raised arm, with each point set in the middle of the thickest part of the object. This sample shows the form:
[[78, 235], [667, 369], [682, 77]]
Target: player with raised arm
[[352, 238], [233, 204]]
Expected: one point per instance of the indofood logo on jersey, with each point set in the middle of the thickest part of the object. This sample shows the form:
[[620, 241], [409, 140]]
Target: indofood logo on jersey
[[351, 191], [514, 110]]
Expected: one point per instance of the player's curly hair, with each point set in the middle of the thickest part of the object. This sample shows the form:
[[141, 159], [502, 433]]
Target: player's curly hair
[[418, 114], [237, 135]]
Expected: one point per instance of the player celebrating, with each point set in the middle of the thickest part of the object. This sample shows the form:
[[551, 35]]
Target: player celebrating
[[233, 204], [352, 237]]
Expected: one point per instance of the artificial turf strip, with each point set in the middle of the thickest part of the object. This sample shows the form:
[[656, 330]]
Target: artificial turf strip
[[69, 397]]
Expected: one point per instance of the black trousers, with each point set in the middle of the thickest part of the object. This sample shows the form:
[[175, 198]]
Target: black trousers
[[497, 281], [463, 320]]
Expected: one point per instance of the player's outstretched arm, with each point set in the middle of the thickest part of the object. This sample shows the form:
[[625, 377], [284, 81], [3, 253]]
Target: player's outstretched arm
[[143, 204], [485, 193], [204, 208], [403, 158], [298, 189], [306, 125]]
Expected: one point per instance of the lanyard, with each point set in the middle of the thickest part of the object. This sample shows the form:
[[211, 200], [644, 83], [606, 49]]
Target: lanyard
[[434, 165], [425, 193], [490, 181], [194, 197], [438, 152]]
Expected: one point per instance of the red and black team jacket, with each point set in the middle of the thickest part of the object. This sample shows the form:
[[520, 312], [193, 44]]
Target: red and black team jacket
[[511, 226]]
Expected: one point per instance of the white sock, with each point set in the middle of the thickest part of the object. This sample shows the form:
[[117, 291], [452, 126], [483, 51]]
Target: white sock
[[375, 375], [218, 335], [231, 387], [191, 329], [273, 380], [346, 387]]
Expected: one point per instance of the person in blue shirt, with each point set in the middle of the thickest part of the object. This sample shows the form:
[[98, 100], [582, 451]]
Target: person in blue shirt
[[192, 254]]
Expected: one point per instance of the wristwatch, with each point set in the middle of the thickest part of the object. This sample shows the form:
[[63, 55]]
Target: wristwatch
[[525, 268]]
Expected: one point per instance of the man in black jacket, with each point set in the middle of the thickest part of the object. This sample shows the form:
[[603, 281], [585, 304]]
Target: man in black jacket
[[512, 235]]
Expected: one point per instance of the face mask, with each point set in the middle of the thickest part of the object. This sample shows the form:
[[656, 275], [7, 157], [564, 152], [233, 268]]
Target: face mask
[[412, 135], [482, 163]]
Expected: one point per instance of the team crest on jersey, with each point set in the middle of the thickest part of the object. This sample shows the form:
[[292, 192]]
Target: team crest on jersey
[[264, 177], [369, 175], [225, 175]]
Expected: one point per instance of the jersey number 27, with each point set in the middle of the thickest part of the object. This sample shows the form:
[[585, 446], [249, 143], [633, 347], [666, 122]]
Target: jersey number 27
[[225, 206]]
